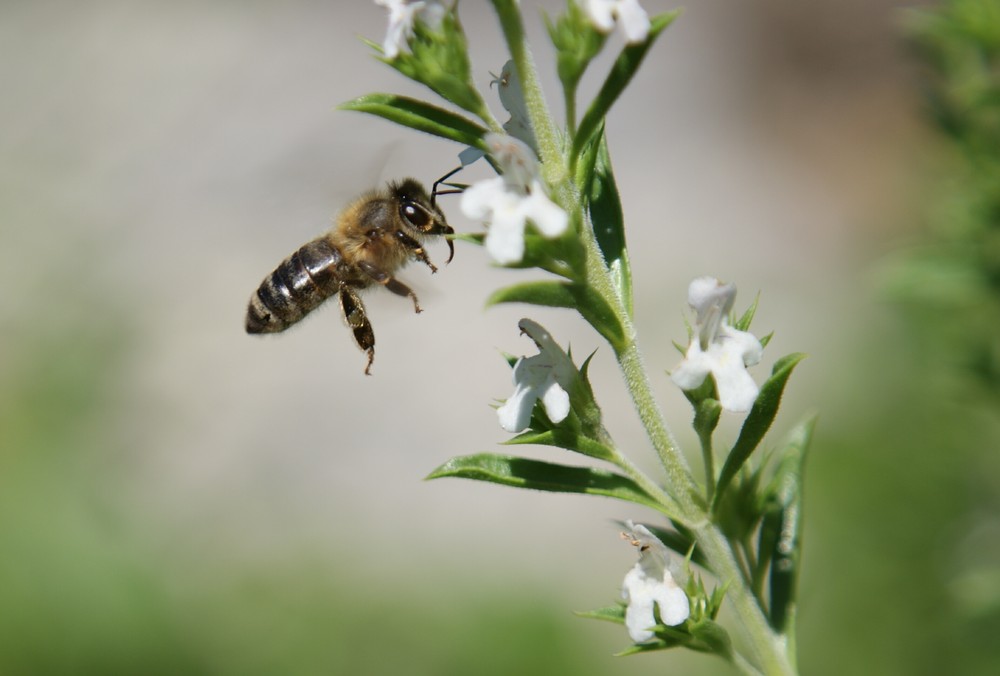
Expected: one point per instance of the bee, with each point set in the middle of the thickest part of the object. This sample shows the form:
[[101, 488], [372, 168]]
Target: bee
[[375, 236]]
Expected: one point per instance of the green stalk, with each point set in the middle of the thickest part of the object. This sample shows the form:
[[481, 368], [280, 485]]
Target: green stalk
[[708, 457], [550, 150]]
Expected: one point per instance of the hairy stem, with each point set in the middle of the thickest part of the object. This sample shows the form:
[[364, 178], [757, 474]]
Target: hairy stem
[[549, 148]]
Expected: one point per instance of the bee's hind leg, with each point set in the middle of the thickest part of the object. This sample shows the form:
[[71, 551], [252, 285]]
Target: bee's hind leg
[[357, 319]]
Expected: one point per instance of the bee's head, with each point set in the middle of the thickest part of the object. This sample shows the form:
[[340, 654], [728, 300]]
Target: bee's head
[[418, 212]]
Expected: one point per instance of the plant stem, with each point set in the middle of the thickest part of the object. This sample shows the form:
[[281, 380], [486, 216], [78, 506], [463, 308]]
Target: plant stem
[[708, 456], [549, 149], [770, 648]]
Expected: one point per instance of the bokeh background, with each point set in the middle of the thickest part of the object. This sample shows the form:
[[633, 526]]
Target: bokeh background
[[178, 497]]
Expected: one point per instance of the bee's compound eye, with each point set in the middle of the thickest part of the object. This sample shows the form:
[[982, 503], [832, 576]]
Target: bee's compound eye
[[414, 215]]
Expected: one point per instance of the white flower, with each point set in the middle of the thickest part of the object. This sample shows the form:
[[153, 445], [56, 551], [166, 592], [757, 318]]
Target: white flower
[[649, 583], [718, 348], [512, 99], [509, 201], [632, 17], [402, 14], [545, 376]]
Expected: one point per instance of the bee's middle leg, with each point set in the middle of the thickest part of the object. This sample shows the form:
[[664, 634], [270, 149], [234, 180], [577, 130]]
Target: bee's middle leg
[[389, 282], [357, 319]]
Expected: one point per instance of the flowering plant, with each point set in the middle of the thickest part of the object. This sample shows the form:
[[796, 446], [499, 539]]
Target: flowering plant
[[555, 206]]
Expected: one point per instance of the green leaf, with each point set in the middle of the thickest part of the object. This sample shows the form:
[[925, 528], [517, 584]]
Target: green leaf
[[571, 295], [608, 221], [710, 637], [781, 531], [421, 116], [624, 68], [738, 512], [562, 437], [544, 476], [758, 421], [615, 614]]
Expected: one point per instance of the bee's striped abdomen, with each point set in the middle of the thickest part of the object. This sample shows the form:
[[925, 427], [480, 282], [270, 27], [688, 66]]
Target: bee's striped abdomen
[[297, 287]]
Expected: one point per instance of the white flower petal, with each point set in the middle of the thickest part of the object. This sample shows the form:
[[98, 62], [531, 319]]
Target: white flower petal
[[433, 14], [515, 414], [633, 19], [548, 217], [478, 199], [563, 367], [556, 401], [628, 13], [639, 619], [505, 239], [673, 604], [470, 155], [746, 344], [601, 13], [693, 369], [737, 390]]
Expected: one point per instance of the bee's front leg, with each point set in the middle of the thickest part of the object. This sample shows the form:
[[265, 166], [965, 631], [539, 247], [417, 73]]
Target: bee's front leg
[[416, 248], [389, 282]]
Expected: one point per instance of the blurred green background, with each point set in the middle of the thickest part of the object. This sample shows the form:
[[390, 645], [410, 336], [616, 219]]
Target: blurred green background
[[176, 497]]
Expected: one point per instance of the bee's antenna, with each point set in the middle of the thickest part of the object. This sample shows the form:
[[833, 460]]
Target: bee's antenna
[[434, 189]]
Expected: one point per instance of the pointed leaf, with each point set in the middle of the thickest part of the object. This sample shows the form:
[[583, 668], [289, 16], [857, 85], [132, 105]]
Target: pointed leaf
[[784, 523], [421, 116], [758, 421], [578, 297], [615, 613], [743, 323], [624, 68], [544, 476], [569, 439], [609, 223], [711, 637]]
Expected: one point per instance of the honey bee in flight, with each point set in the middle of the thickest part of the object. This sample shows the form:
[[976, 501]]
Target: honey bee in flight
[[374, 236]]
